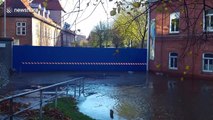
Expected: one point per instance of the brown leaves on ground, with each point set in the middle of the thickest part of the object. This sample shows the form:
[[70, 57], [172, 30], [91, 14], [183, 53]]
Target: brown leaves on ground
[[5, 107], [55, 114], [49, 113]]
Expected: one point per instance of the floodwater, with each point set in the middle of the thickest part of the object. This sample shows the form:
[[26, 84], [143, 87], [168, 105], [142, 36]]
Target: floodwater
[[138, 96]]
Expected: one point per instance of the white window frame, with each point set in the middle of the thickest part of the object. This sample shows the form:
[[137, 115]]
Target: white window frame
[[175, 59], [175, 15], [21, 28], [208, 28], [208, 64]]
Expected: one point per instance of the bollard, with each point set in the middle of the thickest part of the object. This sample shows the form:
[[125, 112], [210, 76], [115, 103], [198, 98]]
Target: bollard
[[111, 114]]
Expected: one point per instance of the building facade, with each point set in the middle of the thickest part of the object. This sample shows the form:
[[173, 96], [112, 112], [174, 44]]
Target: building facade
[[181, 38], [68, 38], [34, 22]]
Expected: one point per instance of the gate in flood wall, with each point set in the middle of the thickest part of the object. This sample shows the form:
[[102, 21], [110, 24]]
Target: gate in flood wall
[[38, 59]]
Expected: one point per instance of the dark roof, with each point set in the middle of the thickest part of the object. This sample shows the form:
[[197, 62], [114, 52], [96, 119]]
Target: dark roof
[[68, 31], [51, 4], [15, 3]]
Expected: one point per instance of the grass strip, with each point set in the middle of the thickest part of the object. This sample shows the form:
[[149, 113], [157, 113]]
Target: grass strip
[[66, 109]]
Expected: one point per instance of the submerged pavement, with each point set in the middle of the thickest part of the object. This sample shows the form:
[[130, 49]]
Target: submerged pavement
[[131, 95]]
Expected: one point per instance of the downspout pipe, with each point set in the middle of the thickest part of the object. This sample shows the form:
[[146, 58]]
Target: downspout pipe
[[148, 39]]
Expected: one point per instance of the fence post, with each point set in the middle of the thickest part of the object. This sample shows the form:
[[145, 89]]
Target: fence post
[[67, 90], [56, 96], [75, 89], [41, 104], [11, 109], [83, 85], [79, 89]]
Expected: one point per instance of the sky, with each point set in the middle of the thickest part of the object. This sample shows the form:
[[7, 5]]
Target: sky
[[91, 13]]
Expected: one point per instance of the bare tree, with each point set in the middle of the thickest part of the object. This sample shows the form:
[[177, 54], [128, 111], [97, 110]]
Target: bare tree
[[100, 35]]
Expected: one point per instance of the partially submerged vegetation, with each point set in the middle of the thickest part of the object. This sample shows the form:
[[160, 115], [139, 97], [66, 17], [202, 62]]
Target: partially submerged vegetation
[[66, 110]]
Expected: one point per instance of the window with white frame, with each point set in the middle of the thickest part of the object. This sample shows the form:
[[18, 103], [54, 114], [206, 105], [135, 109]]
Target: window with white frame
[[208, 25], [174, 22], [208, 62], [173, 61], [21, 28]]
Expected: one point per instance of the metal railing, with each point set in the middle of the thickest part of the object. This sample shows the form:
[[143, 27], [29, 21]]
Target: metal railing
[[76, 82]]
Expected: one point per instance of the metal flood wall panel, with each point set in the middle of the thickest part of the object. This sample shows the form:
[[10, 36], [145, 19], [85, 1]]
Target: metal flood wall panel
[[35, 59]]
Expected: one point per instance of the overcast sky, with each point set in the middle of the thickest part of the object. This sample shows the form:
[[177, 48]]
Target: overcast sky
[[89, 15]]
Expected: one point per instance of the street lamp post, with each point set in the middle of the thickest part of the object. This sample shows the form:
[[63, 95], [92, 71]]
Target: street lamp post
[[5, 22]]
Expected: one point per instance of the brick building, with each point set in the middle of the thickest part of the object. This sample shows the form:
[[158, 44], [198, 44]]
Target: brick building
[[181, 38], [34, 22]]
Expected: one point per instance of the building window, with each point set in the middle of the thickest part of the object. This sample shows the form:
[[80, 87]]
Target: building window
[[208, 25], [174, 22], [207, 62], [21, 28], [173, 61]]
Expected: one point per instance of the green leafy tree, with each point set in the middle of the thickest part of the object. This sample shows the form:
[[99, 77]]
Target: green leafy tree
[[93, 40], [187, 8], [100, 36], [116, 39], [1, 8], [131, 26]]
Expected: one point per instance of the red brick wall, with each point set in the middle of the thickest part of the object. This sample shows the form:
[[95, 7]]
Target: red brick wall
[[191, 62], [162, 16], [11, 29]]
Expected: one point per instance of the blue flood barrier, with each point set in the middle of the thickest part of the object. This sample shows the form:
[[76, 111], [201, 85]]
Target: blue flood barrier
[[39, 58]]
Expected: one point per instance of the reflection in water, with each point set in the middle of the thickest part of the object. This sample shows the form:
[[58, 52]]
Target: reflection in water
[[98, 105], [158, 98]]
